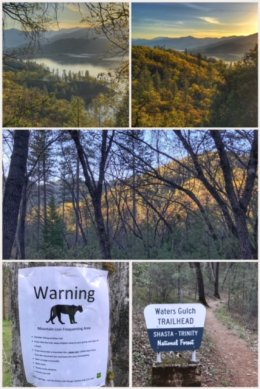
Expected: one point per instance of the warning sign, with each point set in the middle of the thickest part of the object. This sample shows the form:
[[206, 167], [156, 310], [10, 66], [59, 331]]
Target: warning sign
[[64, 325]]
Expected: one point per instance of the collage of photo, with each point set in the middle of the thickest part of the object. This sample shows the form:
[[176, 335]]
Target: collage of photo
[[130, 194]]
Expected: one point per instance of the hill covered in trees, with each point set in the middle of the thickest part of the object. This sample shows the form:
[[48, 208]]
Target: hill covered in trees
[[231, 48], [132, 194], [35, 96], [172, 88]]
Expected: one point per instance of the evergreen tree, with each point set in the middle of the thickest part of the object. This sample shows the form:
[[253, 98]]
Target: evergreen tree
[[53, 232], [236, 102]]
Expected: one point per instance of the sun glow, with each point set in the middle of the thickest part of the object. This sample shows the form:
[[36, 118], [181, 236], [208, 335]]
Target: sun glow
[[207, 20]]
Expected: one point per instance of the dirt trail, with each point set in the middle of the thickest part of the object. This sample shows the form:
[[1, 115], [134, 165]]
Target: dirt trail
[[240, 361]]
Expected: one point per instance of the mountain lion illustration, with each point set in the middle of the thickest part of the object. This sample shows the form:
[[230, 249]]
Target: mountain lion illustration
[[70, 310]]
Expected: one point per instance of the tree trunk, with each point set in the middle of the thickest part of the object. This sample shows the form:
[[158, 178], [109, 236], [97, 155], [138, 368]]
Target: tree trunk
[[102, 234], [243, 234], [13, 189], [21, 230], [179, 282], [44, 188], [18, 374], [77, 203], [134, 184], [236, 217], [118, 363], [239, 206], [216, 280], [7, 304], [200, 283], [96, 188], [119, 283], [79, 225], [38, 209]]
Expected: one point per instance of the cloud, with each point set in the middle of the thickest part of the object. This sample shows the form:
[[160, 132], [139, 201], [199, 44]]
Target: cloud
[[210, 20], [198, 7], [72, 7]]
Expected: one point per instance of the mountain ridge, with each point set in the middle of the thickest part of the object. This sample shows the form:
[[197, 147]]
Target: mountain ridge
[[17, 39], [222, 47], [65, 44]]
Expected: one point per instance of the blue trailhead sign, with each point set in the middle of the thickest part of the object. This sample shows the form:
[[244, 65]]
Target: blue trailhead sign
[[175, 327]]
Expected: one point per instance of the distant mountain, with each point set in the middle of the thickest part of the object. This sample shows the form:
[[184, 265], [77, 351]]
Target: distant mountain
[[233, 46], [14, 38], [64, 41], [66, 33], [182, 43], [75, 46]]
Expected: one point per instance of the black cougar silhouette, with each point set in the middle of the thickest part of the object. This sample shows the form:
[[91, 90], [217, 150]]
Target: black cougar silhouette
[[70, 310]]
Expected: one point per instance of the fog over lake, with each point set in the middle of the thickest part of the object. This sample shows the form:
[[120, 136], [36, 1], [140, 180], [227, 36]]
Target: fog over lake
[[93, 68]]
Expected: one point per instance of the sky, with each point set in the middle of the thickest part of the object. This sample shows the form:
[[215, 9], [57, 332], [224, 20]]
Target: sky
[[69, 15], [150, 20]]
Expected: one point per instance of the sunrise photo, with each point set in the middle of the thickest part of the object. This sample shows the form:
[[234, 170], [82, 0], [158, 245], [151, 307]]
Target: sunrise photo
[[193, 63], [65, 64]]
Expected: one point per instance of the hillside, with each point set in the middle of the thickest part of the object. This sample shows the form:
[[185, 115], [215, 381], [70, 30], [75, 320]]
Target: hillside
[[176, 208], [35, 96], [13, 38], [171, 88], [234, 47], [75, 45]]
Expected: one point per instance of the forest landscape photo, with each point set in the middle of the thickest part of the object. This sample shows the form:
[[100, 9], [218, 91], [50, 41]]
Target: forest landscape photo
[[65, 64], [194, 64], [130, 194]]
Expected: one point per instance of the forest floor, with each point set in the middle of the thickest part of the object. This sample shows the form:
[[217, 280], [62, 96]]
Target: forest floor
[[226, 358], [239, 355]]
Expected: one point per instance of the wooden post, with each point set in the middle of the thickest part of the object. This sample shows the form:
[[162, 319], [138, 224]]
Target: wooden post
[[176, 375]]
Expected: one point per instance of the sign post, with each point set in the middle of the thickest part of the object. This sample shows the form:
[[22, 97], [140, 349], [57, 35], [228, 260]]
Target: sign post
[[175, 327], [64, 325]]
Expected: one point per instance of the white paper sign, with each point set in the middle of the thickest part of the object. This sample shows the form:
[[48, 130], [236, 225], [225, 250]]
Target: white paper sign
[[64, 325]]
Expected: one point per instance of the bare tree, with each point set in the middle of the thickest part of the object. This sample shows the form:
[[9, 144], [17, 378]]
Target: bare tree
[[96, 186], [32, 18], [113, 20], [239, 204], [236, 220]]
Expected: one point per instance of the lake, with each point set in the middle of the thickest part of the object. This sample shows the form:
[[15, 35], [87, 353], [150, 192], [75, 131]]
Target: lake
[[93, 67]]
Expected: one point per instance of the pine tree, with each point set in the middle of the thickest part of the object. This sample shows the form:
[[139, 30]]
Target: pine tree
[[53, 232]]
